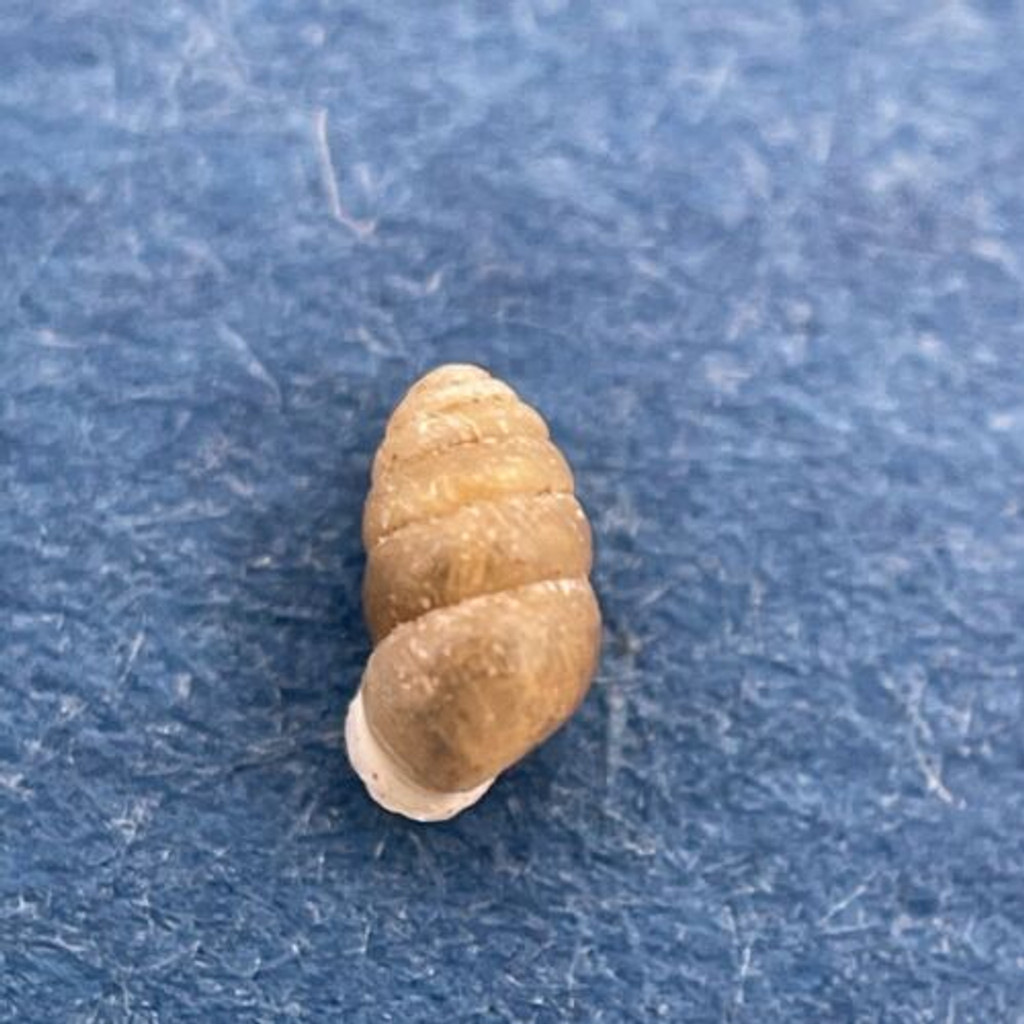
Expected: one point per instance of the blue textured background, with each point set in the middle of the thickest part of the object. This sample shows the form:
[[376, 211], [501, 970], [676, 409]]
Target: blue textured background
[[760, 263]]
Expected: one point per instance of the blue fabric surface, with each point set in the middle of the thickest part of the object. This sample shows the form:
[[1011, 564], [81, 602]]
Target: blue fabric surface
[[761, 266]]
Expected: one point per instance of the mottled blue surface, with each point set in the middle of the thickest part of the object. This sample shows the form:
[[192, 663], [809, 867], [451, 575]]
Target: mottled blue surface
[[760, 263]]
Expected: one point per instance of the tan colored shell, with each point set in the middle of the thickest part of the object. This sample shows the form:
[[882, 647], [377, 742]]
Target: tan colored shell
[[485, 626]]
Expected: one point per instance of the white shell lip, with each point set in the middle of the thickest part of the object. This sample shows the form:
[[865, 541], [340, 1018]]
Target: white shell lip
[[388, 785]]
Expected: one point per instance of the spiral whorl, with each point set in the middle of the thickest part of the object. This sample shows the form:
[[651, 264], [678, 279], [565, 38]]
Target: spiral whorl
[[476, 593]]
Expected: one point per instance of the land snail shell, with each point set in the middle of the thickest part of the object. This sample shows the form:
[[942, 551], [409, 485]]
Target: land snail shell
[[486, 629]]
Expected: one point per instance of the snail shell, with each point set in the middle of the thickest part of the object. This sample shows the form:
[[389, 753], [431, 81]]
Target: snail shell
[[486, 630]]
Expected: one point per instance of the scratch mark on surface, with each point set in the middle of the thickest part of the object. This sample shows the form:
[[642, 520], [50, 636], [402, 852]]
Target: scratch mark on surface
[[966, 717], [375, 346], [175, 957], [132, 819], [133, 655], [570, 976], [849, 898], [613, 737], [418, 289], [921, 733], [656, 593], [933, 779], [426, 859], [741, 979], [712, 85], [743, 967], [360, 228], [301, 826], [745, 955], [253, 364], [198, 512]]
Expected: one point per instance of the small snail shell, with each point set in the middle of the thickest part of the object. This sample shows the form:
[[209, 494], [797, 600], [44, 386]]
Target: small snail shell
[[486, 630]]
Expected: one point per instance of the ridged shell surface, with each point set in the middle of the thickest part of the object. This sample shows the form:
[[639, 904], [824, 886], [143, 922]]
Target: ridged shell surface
[[485, 626]]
